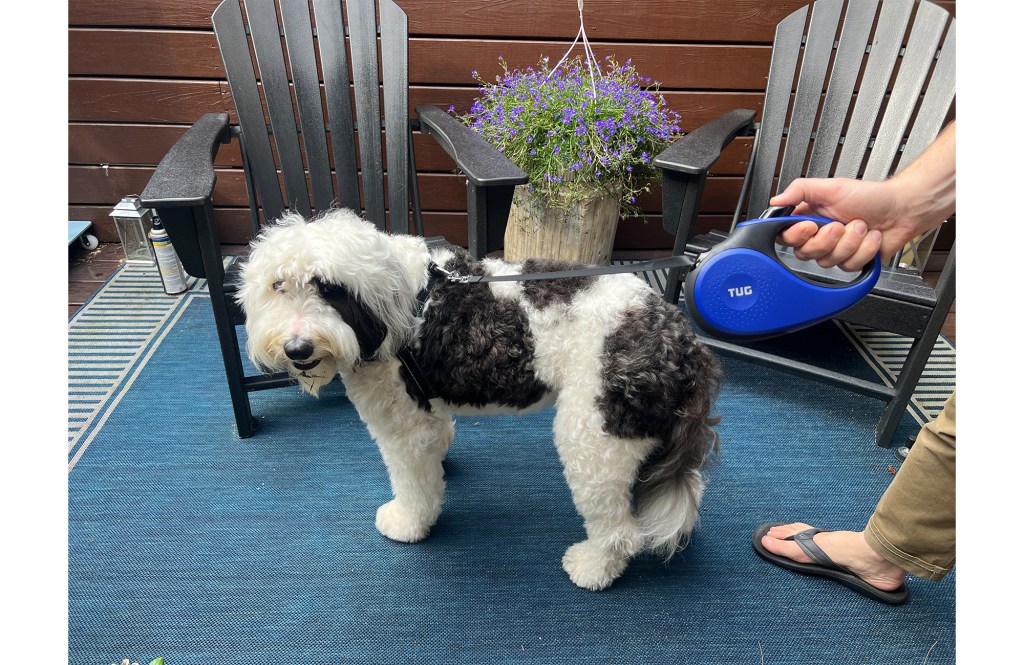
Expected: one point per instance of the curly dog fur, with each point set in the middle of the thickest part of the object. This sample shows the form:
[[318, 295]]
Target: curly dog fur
[[632, 386]]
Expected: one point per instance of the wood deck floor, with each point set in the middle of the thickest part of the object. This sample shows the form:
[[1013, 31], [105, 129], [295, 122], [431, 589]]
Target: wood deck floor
[[87, 270]]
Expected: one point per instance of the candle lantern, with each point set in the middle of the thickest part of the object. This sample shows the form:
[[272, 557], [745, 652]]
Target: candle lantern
[[133, 223]]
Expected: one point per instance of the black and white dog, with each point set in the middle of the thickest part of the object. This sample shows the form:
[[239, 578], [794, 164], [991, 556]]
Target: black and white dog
[[632, 386]]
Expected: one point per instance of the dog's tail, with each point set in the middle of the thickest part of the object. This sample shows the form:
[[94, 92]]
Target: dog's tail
[[669, 484]]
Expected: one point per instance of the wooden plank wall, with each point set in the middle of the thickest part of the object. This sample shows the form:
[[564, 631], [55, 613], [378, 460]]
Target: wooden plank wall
[[140, 71]]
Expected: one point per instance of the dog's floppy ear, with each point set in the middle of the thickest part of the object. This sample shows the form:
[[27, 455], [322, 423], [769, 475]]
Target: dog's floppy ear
[[370, 331]]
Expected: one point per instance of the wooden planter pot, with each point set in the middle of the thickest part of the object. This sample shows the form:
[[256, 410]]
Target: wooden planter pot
[[585, 234]]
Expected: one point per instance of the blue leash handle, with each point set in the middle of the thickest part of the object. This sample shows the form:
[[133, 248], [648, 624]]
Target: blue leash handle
[[741, 290]]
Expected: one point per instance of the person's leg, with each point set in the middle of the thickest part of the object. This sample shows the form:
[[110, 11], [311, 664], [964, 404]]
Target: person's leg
[[913, 527], [914, 524]]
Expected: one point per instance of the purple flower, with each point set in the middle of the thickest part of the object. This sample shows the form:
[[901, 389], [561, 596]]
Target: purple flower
[[557, 123]]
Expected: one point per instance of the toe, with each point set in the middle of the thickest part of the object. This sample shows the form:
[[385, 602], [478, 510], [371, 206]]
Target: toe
[[787, 530], [775, 542]]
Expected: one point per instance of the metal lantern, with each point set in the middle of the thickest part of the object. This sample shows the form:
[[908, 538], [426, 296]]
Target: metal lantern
[[133, 224]]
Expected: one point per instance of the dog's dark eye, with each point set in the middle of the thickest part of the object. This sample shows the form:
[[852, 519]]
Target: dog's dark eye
[[278, 286]]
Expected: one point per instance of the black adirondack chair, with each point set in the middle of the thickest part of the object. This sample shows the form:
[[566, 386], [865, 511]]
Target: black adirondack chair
[[863, 122], [307, 135]]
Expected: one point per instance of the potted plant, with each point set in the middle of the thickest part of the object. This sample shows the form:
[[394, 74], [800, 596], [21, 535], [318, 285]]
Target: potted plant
[[585, 135]]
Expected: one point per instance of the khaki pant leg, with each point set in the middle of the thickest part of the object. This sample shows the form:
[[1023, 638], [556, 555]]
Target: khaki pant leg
[[914, 523]]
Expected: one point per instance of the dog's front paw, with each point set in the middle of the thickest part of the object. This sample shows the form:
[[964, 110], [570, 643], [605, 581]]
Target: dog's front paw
[[396, 523], [592, 567]]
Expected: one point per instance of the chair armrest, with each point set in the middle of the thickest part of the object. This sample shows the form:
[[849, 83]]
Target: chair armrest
[[185, 176], [482, 163], [695, 152]]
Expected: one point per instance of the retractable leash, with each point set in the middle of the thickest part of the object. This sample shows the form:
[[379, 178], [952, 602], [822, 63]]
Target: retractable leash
[[739, 289]]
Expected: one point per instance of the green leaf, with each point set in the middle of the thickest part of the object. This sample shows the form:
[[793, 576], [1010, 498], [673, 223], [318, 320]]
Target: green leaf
[[157, 661]]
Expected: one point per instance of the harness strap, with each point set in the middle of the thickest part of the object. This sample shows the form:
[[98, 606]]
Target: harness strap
[[424, 390]]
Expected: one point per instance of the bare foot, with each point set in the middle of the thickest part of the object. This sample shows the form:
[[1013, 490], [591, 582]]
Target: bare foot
[[847, 548]]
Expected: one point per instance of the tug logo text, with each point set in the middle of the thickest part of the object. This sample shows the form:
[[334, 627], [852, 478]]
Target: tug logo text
[[741, 291]]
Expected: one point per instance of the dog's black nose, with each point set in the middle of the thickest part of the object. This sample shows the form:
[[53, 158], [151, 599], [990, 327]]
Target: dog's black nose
[[298, 348]]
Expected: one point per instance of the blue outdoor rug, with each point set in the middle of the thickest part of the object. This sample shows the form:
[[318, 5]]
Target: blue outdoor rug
[[190, 544]]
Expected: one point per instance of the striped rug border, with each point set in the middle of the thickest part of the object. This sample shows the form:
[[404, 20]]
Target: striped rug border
[[886, 352], [110, 340]]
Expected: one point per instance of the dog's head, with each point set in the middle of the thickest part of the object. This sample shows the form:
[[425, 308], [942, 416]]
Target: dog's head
[[324, 295]]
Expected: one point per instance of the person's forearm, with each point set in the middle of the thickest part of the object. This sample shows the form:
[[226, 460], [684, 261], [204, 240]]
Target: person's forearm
[[927, 187]]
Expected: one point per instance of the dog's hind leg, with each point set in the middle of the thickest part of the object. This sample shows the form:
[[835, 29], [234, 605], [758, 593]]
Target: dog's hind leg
[[601, 470]]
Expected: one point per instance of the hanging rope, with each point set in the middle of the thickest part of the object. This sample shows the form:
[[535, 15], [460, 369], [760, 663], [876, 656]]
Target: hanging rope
[[588, 52]]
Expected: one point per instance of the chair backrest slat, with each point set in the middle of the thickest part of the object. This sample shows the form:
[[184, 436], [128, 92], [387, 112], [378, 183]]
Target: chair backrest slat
[[788, 37], [234, 50], [893, 118], [821, 36], [875, 115], [266, 39], [925, 35], [938, 99], [849, 57], [362, 27], [293, 121], [334, 61], [885, 49], [298, 35], [394, 40]]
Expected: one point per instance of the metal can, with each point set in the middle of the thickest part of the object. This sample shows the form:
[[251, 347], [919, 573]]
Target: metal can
[[172, 275]]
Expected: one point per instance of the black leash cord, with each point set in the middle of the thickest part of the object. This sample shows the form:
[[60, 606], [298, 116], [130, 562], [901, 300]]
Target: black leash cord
[[643, 266]]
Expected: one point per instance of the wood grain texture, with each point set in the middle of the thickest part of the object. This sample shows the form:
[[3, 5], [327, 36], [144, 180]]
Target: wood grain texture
[[124, 144], [187, 54], [141, 71], [173, 101], [693, 20], [438, 191]]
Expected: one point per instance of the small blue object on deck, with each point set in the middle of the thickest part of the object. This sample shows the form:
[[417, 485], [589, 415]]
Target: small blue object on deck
[[77, 231]]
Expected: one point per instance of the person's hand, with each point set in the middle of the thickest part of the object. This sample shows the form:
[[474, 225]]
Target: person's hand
[[872, 216], [849, 246], [867, 215]]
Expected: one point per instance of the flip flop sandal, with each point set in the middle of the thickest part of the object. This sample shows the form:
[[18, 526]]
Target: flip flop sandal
[[823, 565]]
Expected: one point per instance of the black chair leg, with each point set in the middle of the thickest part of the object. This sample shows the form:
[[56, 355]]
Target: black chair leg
[[236, 377], [233, 368], [907, 380], [896, 407], [674, 279], [920, 351], [227, 336]]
